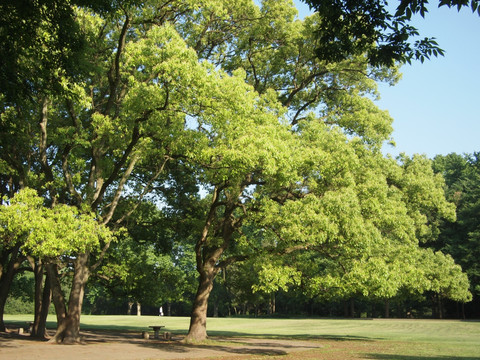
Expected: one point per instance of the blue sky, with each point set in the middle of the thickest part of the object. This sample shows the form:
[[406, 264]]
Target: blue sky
[[436, 105]]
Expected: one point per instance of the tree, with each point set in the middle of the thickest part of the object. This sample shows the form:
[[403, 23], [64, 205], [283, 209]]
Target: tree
[[141, 266], [46, 233], [271, 156], [223, 96], [138, 97], [39, 39], [98, 131], [361, 237], [461, 238], [370, 27]]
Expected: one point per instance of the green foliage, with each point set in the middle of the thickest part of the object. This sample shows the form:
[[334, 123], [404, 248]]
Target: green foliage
[[15, 305], [351, 28], [360, 234], [48, 232], [226, 97], [461, 238]]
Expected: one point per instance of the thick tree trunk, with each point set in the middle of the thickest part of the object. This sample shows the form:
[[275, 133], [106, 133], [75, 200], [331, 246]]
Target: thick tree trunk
[[68, 323], [207, 257], [198, 319]]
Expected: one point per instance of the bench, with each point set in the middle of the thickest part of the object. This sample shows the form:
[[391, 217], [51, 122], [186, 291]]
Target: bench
[[156, 330]]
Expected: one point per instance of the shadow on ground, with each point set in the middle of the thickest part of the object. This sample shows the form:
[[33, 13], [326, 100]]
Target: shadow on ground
[[413, 357]]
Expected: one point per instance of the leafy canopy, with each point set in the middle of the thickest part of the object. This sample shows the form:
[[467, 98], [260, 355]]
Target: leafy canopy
[[48, 232]]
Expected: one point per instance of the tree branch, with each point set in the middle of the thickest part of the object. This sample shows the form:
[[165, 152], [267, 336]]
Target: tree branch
[[114, 72]]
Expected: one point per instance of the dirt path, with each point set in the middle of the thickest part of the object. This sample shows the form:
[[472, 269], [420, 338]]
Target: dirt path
[[127, 346]]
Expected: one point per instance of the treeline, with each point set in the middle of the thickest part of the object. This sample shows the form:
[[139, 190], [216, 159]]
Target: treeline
[[233, 294]]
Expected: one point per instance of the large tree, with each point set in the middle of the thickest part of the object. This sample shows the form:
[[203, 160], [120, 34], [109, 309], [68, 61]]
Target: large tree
[[142, 94], [320, 179], [362, 238]]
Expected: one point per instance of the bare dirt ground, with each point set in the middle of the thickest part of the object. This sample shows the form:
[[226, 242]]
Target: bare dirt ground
[[101, 345]]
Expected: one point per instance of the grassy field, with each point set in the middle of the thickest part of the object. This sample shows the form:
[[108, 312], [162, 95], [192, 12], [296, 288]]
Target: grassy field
[[382, 339]]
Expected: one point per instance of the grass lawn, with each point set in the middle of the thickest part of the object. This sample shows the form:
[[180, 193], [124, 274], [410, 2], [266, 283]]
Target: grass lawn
[[383, 339]]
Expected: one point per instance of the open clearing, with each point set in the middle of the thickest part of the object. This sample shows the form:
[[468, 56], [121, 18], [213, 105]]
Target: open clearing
[[119, 337]]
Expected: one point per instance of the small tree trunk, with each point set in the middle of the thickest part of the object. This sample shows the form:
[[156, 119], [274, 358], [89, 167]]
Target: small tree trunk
[[440, 307], [139, 309], [169, 309], [130, 306], [387, 308]]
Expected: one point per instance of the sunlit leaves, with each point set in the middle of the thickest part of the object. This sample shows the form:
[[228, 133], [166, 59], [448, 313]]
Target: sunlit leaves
[[49, 232]]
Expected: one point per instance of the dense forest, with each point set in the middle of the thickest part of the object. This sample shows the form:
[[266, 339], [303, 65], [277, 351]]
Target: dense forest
[[203, 158]]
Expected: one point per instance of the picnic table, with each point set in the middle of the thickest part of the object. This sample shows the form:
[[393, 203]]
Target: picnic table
[[156, 330]]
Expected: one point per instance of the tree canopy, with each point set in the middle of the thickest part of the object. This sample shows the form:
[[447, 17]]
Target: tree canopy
[[221, 114]]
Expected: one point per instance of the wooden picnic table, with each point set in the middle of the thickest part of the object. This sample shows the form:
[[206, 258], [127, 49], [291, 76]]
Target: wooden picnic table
[[156, 330]]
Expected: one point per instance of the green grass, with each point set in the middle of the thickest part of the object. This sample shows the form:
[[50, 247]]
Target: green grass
[[382, 339]]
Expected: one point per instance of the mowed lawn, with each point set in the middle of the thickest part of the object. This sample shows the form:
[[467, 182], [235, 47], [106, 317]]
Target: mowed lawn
[[385, 339]]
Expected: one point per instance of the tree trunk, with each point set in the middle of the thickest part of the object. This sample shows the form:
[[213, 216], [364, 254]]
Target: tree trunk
[[272, 304], [198, 319], [207, 256], [440, 306], [13, 262], [68, 323], [47, 299], [57, 294], [42, 300], [139, 309], [387, 308], [130, 306]]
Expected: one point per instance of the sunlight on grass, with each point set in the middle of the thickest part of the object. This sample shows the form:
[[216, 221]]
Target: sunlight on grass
[[375, 339]]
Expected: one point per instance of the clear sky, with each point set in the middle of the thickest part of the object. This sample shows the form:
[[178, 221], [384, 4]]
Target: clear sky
[[436, 105]]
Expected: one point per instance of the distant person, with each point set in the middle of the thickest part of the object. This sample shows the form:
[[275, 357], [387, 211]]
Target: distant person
[[160, 311]]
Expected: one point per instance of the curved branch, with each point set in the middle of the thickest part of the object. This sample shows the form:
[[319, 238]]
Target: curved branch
[[114, 72], [119, 191]]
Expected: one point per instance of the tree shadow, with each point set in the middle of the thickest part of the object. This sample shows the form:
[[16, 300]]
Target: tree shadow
[[235, 345], [230, 334], [263, 349]]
